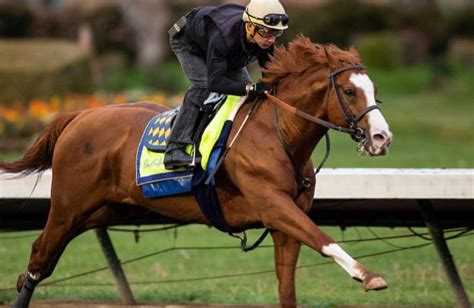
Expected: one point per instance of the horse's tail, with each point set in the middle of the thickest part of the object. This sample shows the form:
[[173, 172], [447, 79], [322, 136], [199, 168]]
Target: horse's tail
[[40, 156]]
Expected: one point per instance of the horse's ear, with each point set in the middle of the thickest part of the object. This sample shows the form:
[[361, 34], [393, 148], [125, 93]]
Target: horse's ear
[[354, 51], [332, 61]]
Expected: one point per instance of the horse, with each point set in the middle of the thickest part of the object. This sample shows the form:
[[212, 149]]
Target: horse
[[260, 183]]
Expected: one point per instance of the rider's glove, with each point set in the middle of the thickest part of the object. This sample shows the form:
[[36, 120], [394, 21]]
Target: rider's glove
[[258, 89]]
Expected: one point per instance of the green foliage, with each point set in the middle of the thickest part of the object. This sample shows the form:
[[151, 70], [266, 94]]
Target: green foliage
[[336, 21], [170, 77], [167, 77], [108, 28], [380, 51], [427, 19], [41, 68], [128, 79], [401, 80]]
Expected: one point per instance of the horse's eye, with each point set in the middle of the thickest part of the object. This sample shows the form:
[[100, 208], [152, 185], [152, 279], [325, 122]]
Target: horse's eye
[[349, 92]]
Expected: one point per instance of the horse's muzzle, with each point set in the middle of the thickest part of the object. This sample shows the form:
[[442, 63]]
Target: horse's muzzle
[[378, 144]]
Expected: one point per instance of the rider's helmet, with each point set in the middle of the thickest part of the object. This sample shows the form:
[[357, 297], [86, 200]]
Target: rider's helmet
[[266, 13]]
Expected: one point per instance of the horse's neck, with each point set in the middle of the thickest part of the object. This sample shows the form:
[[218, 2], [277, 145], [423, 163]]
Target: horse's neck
[[302, 135]]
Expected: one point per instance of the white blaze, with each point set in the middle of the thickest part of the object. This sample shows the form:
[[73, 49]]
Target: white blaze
[[343, 259], [376, 121]]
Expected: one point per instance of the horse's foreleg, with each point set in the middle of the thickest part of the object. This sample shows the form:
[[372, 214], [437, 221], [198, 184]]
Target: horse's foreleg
[[370, 281], [286, 217], [287, 250]]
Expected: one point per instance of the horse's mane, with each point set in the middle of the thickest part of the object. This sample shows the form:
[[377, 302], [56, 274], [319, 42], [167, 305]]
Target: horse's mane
[[301, 54]]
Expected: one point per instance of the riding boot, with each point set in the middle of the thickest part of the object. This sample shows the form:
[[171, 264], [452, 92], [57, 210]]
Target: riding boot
[[176, 156], [181, 135]]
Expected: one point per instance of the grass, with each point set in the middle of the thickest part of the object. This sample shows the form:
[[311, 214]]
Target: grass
[[415, 276]]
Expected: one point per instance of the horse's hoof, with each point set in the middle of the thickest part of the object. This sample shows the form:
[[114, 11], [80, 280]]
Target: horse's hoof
[[375, 283]]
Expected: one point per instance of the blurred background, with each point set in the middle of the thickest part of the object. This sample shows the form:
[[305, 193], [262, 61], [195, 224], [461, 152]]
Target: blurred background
[[61, 55]]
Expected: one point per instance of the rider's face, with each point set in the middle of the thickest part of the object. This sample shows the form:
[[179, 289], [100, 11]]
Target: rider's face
[[264, 42], [264, 37]]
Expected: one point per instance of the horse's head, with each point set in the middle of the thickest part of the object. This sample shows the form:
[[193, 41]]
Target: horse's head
[[352, 103], [333, 88]]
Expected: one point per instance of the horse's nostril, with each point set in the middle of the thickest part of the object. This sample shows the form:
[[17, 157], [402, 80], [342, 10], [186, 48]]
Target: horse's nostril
[[378, 137]]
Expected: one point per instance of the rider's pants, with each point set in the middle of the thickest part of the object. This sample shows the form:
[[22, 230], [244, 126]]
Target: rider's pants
[[195, 69]]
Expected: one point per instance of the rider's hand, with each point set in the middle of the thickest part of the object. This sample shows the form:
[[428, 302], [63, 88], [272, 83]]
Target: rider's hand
[[258, 89]]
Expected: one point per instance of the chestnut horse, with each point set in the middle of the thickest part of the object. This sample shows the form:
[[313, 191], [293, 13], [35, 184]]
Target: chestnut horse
[[92, 156]]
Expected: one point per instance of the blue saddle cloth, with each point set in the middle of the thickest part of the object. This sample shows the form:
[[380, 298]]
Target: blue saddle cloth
[[151, 175], [154, 179]]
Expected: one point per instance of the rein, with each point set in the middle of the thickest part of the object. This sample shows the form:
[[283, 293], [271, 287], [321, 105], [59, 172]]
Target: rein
[[356, 132], [353, 130], [287, 107]]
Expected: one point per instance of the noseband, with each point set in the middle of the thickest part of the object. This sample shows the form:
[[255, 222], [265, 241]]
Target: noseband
[[356, 132]]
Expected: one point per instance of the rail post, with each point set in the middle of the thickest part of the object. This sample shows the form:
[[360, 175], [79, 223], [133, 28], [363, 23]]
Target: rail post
[[114, 263], [437, 235]]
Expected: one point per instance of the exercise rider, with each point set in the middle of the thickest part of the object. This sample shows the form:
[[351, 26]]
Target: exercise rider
[[214, 45]]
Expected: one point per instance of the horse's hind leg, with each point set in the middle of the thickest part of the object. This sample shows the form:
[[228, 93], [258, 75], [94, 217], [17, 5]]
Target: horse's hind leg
[[34, 250], [45, 254], [26, 282], [286, 255], [60, 229]]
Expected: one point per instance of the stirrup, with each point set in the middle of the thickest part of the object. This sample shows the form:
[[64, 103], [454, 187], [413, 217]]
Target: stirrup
[[195, 159]]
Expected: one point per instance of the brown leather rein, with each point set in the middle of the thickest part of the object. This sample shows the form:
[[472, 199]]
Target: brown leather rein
[[356, 132]]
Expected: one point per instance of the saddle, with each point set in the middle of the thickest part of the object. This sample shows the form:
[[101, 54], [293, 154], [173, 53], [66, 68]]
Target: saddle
[[157, 181]]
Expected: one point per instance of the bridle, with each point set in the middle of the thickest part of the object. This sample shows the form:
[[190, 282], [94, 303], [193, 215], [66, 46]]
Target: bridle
[[356, 132]]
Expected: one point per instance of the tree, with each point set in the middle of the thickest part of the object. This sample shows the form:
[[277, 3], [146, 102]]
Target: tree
[[149, 21]]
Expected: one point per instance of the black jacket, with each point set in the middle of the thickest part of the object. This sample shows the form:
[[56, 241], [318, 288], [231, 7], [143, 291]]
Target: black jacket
[[218, 34]]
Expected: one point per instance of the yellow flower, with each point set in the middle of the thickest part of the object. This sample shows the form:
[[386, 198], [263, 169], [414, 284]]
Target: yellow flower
[[92, 101], [55, 102], [119, 99], [40, 110], [10, 115]]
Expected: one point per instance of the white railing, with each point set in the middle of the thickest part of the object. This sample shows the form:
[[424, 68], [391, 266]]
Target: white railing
[[338, 183]]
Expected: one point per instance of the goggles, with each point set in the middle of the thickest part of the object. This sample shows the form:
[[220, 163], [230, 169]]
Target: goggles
[[267, 32], [273, 19]]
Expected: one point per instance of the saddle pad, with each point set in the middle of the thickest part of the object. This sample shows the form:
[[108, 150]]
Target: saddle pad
[[158, 130], [152, 176]]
